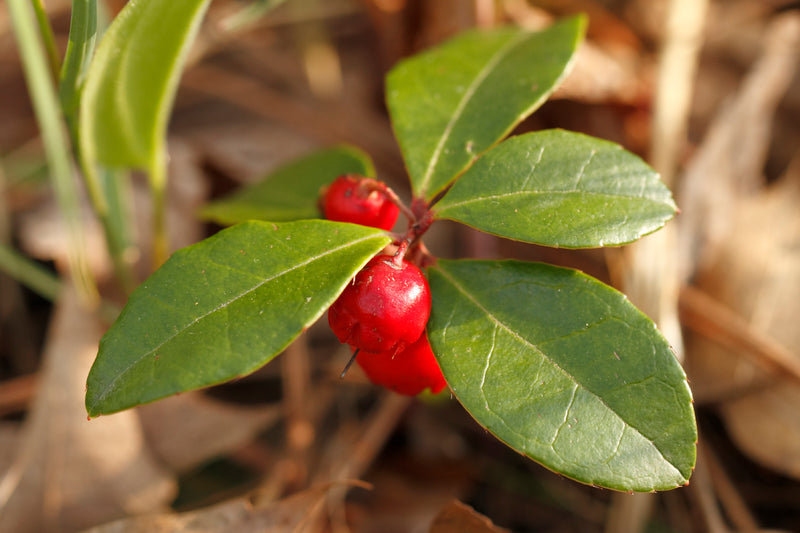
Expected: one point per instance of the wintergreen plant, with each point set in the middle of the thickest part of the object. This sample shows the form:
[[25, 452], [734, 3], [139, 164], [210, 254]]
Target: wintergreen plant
[[554, 363]]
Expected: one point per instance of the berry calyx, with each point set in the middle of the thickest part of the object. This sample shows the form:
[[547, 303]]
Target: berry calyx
[[409, 371], [385, 308], [359, 200]]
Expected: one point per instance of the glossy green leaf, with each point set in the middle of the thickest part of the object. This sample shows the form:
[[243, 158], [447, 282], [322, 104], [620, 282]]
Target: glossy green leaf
[[559, 188], [223, 307], [565, 370], [292, 191], [132, 81], [451, 103]]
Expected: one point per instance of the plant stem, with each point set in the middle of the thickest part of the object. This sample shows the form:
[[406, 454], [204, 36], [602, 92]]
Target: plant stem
[[46, 108], [402, 248], [375, 185], [29, 273], [48, 38], [102, 192], [158, 185]]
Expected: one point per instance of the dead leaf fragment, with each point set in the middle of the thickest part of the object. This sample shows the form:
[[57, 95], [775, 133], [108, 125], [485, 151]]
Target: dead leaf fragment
[[285, 516], [70, 473], [189, 429], [743, 243], [458, 517]]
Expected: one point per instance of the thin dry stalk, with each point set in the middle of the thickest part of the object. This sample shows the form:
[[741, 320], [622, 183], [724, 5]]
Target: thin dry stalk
[[300, 432], [702, 489], [715, 321], [350, 460], [729, 496]]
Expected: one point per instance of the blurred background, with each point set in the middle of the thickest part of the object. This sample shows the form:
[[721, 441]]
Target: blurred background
[[708, 92]]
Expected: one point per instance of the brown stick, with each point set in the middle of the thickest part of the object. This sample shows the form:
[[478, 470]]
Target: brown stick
[[702, 314]]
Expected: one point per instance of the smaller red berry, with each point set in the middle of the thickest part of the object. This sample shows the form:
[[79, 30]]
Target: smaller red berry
[[409, 371], [385, 308], [359, 200]]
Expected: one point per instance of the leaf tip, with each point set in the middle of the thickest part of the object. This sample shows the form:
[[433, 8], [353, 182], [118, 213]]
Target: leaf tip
[[91, 408]]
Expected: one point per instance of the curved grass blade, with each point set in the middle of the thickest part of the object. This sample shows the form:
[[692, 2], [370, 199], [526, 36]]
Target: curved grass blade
[[128, 95], [56, 146], [564, 370], [224, 307], [559, 188], [292, 191], [132, 80], [452, 103]]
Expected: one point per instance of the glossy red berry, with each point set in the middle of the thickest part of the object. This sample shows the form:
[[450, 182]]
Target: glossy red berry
[[352, 198], [385, 308], [409, 371]]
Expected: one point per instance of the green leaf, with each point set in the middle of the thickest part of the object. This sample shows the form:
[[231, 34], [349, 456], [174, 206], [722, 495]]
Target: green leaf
[[292, 191], [559, 188], [565, 370], [132, 81], [223, 307], [452, 103]]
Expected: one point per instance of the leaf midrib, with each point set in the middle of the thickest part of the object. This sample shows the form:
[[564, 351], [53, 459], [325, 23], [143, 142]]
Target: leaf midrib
[[110, 387], [478, 199], [572, 378], [483, 74]]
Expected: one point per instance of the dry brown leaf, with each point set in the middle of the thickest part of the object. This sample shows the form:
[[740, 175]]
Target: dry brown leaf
[[458, 517], [69, 472], [728, 163], [246, 150], [9, 443], [607, 69], [43, 235], [766, 426], [409, 493], [756, 275], [285, 516], [747, 253], [189, 429], [606, 75]]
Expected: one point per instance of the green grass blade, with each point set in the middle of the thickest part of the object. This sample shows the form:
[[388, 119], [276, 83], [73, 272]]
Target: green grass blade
[[48, 115]]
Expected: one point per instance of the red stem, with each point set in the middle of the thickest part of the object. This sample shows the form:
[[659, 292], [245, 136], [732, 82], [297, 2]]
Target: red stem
[[375, 185]]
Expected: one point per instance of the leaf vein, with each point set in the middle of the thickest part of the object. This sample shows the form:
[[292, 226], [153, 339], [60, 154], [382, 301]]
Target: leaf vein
[[533, 168], [583, 168], [566, 417], [486, 366]]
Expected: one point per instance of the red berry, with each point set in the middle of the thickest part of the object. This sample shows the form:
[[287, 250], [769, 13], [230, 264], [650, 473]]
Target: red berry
[[409, 371], [352, 198], [385, 308]]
